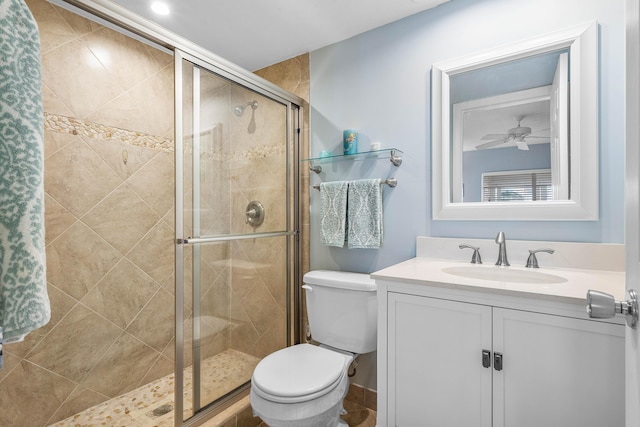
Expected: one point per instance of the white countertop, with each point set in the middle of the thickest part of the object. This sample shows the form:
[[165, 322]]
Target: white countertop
[[429, 271]]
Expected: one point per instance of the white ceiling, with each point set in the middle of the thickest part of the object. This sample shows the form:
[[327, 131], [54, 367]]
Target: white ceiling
[[258, 33]]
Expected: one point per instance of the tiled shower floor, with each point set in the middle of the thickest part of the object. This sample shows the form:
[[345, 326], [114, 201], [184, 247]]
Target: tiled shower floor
[[152, 404]]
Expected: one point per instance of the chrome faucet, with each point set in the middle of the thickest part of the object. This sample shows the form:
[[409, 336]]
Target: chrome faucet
[[501, 240]]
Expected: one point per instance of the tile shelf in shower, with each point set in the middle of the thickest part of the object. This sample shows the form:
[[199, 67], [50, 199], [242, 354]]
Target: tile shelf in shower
[[393, 154]]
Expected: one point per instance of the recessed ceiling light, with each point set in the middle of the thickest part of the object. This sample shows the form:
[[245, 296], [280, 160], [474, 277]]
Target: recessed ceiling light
[[160, 8]]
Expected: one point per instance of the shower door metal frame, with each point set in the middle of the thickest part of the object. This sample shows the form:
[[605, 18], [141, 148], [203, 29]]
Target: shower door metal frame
[[292, 226]]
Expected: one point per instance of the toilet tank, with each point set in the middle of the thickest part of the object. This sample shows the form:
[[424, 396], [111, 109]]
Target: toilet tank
[[342, 309]]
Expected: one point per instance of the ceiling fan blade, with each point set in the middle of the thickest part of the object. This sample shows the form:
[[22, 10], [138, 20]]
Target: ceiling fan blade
[[541, 130], [500, 136], [489, 144]]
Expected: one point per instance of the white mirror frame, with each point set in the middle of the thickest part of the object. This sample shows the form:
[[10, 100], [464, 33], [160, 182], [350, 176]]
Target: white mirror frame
[[583, 205]]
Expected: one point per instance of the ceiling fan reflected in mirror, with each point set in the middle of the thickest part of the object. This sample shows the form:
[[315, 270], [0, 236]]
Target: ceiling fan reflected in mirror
[[517, 135]]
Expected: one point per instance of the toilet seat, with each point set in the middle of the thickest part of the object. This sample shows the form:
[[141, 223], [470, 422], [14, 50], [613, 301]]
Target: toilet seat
[[300, 373]]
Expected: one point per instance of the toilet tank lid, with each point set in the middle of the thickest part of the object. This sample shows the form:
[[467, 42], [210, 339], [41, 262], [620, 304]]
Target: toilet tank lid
[[341, 279]]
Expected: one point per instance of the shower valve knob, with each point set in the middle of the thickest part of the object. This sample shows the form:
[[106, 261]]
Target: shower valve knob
[[254, 214]]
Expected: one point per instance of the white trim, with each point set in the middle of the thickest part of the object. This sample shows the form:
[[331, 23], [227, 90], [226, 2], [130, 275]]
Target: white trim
[[582, 41], [632, 204]]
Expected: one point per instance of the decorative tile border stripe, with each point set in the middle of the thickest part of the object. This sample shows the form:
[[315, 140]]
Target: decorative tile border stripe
[[74, 126], [261, 151]]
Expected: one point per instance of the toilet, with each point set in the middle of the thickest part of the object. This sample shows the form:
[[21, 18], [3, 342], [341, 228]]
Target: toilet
[[305, 385]]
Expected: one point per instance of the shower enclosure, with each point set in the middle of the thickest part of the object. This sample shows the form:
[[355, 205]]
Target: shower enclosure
[[236, 238], [152, 295]]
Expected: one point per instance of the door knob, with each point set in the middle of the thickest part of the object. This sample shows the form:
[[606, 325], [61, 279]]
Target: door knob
[[601, 306]]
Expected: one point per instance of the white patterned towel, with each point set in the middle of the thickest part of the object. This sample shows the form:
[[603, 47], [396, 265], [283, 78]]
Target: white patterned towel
[[364, 217], [24, 303], [333, 213]]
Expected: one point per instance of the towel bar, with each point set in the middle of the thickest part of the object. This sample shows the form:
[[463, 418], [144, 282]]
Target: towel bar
[[391, 182]]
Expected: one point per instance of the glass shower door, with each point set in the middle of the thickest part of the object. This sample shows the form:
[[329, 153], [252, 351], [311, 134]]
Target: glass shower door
[[236, 232]]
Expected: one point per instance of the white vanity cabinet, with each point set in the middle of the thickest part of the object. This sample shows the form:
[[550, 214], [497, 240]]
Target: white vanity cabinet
[[440, 351], [433, 351]]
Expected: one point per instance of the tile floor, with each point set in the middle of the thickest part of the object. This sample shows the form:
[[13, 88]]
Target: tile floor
[[152, 404], [239, 415], [356, 416]]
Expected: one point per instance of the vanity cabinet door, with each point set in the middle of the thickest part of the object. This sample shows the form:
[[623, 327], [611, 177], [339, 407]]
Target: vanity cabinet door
[[435, 371], [557, 371]]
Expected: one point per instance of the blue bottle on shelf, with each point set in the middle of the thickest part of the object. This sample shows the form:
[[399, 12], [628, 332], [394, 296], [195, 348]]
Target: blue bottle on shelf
[[350, 141]]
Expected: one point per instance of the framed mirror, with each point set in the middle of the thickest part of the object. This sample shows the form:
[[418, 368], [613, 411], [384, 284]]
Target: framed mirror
[[514, 131]]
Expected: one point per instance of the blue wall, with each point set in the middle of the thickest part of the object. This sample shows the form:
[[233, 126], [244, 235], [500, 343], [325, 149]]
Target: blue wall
[[477, 162], [378, 82]]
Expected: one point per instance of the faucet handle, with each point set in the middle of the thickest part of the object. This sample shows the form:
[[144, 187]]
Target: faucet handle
[[475, 258], [532, 261]]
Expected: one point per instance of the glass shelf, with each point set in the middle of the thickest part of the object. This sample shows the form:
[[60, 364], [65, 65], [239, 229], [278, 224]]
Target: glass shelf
[[393, 154]]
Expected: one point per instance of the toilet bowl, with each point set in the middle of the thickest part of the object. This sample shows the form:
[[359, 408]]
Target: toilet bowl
[[305, 385], [301, 386]]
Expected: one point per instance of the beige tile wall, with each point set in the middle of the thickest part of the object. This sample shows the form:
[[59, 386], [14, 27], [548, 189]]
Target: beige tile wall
[[293, 75], [109, 218], [108, 104]]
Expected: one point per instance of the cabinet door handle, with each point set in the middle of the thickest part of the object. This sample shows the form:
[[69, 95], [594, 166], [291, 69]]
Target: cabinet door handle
[[486, 359], [497, 361]]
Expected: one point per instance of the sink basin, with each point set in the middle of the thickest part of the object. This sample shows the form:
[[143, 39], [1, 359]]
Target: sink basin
[[503, 274]]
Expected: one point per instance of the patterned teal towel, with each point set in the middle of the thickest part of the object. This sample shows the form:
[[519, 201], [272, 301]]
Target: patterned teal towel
[[364, 217], [24, 304], [333, 213]]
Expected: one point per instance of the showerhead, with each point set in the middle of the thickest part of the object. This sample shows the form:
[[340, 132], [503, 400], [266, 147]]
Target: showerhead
[[239, 110]]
